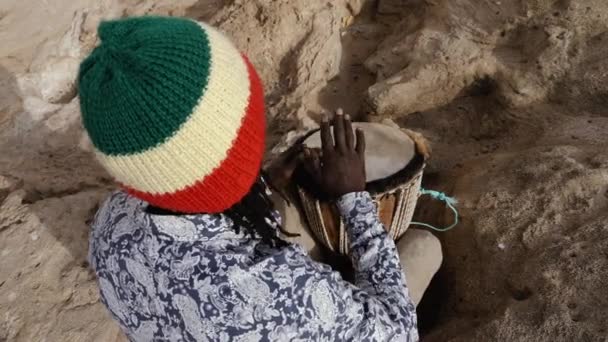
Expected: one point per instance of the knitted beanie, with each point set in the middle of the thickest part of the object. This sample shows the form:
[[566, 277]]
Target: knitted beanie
[[175, 113]]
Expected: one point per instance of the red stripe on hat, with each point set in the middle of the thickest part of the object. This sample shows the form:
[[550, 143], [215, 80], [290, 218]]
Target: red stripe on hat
[[232, 180]]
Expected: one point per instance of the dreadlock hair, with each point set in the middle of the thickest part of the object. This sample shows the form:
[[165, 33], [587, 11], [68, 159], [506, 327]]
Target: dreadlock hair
[[254, 213]]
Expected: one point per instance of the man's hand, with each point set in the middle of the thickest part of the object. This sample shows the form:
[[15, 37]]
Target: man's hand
[[279, 172], [339, 168]]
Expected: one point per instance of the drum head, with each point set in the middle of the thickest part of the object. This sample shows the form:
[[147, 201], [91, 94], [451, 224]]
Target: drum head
[[388, 150]]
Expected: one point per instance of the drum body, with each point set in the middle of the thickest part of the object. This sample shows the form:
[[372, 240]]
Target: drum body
[[396, 175]]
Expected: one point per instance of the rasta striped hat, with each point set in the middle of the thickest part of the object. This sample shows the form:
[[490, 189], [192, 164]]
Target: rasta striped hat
[[175, 113]]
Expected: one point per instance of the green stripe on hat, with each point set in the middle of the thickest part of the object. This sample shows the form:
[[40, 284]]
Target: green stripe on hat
[[147, 70]]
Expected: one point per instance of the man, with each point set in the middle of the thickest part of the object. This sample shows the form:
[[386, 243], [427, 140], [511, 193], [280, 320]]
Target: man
[[189, 249]]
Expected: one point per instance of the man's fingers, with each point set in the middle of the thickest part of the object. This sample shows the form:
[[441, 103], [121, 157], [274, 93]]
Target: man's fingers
[[291, 159], [306, 162], [348, 132], [291, 155], [318, 165], [326, 140], [316, 162], [339, 131], [360, 144], [312, 164]]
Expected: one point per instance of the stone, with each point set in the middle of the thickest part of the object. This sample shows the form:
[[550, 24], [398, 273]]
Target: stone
[[56, 67], [415, 75], [58, 80], [393, 6], [7, 185], [12, 212], [35, 111], [355, 6], [66, 117]]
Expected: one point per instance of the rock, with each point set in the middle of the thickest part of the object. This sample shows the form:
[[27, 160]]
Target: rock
[[394, 6], [85, 143], [12, 211], [421, 70], [56, 66], [7, 185], [66, 117], [324, 64], [58, 80], [435, 55], [35, 112], [10, 97], [306, 57], [355, 6]]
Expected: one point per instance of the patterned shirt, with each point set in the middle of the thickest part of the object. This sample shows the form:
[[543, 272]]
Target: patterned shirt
[[193, 278]]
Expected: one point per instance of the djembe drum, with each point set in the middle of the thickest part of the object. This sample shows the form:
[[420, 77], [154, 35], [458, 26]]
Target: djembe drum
[[393, 169]]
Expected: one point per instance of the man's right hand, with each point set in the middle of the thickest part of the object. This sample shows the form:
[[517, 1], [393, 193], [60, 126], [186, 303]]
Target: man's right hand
[[340, 167]]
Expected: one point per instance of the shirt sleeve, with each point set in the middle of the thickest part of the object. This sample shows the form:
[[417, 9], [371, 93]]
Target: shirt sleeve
[[378, 272]]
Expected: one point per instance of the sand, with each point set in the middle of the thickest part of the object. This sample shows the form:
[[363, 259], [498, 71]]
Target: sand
[[511, 94]]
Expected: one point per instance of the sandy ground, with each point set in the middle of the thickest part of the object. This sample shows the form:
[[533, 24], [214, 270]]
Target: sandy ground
[[512, 95]]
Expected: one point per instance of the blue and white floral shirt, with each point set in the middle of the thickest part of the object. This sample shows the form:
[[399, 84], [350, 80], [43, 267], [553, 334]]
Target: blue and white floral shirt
[[193, 278]]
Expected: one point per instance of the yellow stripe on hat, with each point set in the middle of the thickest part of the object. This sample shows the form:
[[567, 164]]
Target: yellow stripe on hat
[[203, 141]]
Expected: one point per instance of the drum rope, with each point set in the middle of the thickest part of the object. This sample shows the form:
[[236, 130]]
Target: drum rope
[[450, 202]]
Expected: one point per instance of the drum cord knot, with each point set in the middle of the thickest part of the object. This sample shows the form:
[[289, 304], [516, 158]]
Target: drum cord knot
[[450, 202]]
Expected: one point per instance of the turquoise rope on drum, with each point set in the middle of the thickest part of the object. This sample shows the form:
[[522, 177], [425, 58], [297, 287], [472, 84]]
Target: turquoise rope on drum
[[450, 202]]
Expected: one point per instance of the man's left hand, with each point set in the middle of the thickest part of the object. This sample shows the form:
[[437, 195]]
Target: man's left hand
[[280, 170]]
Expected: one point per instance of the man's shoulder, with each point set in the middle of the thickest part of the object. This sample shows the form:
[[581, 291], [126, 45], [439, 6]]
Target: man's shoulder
[[117, 201], [119, 209]]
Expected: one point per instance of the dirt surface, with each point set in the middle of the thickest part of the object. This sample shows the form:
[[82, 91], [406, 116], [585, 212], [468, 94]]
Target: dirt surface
[[512, 94]]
